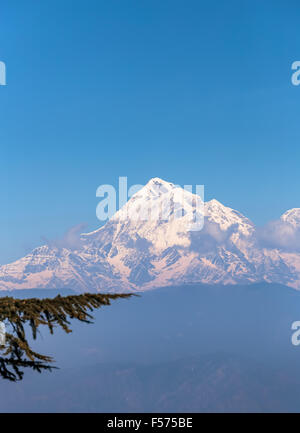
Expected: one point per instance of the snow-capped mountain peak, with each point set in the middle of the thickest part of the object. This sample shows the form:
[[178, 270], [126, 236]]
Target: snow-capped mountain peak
[[292, 216], [157, 186], [161, 213], [226, 217], [160, 202], [150, 242]]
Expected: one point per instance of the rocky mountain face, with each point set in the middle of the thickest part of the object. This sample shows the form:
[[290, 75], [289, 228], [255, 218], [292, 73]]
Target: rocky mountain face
[[153, 241]]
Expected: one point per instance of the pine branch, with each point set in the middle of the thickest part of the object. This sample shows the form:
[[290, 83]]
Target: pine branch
[[49, 312]]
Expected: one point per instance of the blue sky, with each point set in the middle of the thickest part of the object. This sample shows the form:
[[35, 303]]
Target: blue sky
[[194, 92]]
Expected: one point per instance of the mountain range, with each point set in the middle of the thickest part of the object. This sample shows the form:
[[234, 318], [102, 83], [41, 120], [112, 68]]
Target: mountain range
[[195, 348], [215, 383], [131, 253]]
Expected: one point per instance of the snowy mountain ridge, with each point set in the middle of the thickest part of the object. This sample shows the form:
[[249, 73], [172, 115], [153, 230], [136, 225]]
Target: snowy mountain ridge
[[150, 242]]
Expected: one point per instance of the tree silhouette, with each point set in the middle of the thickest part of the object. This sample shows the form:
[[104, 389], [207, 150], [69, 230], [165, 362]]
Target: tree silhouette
[[17, 313]]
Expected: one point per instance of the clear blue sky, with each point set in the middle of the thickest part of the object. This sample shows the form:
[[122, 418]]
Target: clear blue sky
[[195, 92]]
